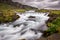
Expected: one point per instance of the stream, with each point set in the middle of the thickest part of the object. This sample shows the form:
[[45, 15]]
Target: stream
[[29, 26]]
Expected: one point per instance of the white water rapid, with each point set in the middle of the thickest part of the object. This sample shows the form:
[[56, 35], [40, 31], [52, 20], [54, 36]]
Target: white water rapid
[[29, 26]]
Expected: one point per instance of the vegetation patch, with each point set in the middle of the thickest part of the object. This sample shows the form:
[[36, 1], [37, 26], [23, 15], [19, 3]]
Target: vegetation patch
[[7, 13], [54, 21]]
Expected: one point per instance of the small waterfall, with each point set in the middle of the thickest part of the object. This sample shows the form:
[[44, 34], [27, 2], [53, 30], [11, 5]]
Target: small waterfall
[[29, 26]]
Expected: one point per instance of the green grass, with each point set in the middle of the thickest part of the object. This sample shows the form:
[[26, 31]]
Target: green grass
[[54, 25], [42, 10], [7, 12], [51, 11], [6, 7]]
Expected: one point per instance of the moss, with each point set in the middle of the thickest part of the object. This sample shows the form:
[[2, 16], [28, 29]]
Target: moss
[[53, 26], [7, 16], [7, 13], [50, 11], [42, 10], [53, 22], [20, 10]]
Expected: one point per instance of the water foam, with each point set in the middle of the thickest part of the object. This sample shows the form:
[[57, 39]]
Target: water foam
[[28, 26]]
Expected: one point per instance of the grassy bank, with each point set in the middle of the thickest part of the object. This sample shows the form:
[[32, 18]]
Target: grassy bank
[[7, 12], [53, 22]]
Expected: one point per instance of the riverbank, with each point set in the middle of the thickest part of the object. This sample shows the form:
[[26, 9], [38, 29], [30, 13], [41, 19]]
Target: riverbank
[[7, 14]]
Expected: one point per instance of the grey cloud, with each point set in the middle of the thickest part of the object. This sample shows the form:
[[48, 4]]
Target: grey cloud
[[52, 4]]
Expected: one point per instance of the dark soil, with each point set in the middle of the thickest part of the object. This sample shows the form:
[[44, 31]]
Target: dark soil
[[55, 36]]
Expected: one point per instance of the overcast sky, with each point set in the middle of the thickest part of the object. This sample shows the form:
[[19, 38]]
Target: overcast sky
[[47, 4]]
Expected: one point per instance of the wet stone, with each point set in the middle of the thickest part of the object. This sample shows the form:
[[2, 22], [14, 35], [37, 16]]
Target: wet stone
[[31, 17]]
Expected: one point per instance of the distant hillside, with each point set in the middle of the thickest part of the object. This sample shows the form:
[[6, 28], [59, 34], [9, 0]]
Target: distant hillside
[[8, 8], [16, 4]]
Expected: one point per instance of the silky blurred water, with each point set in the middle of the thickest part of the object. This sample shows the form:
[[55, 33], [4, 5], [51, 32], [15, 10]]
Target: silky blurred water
[[28, 26]]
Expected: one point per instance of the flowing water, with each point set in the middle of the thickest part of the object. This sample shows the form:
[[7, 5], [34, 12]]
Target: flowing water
[[29, 26]]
